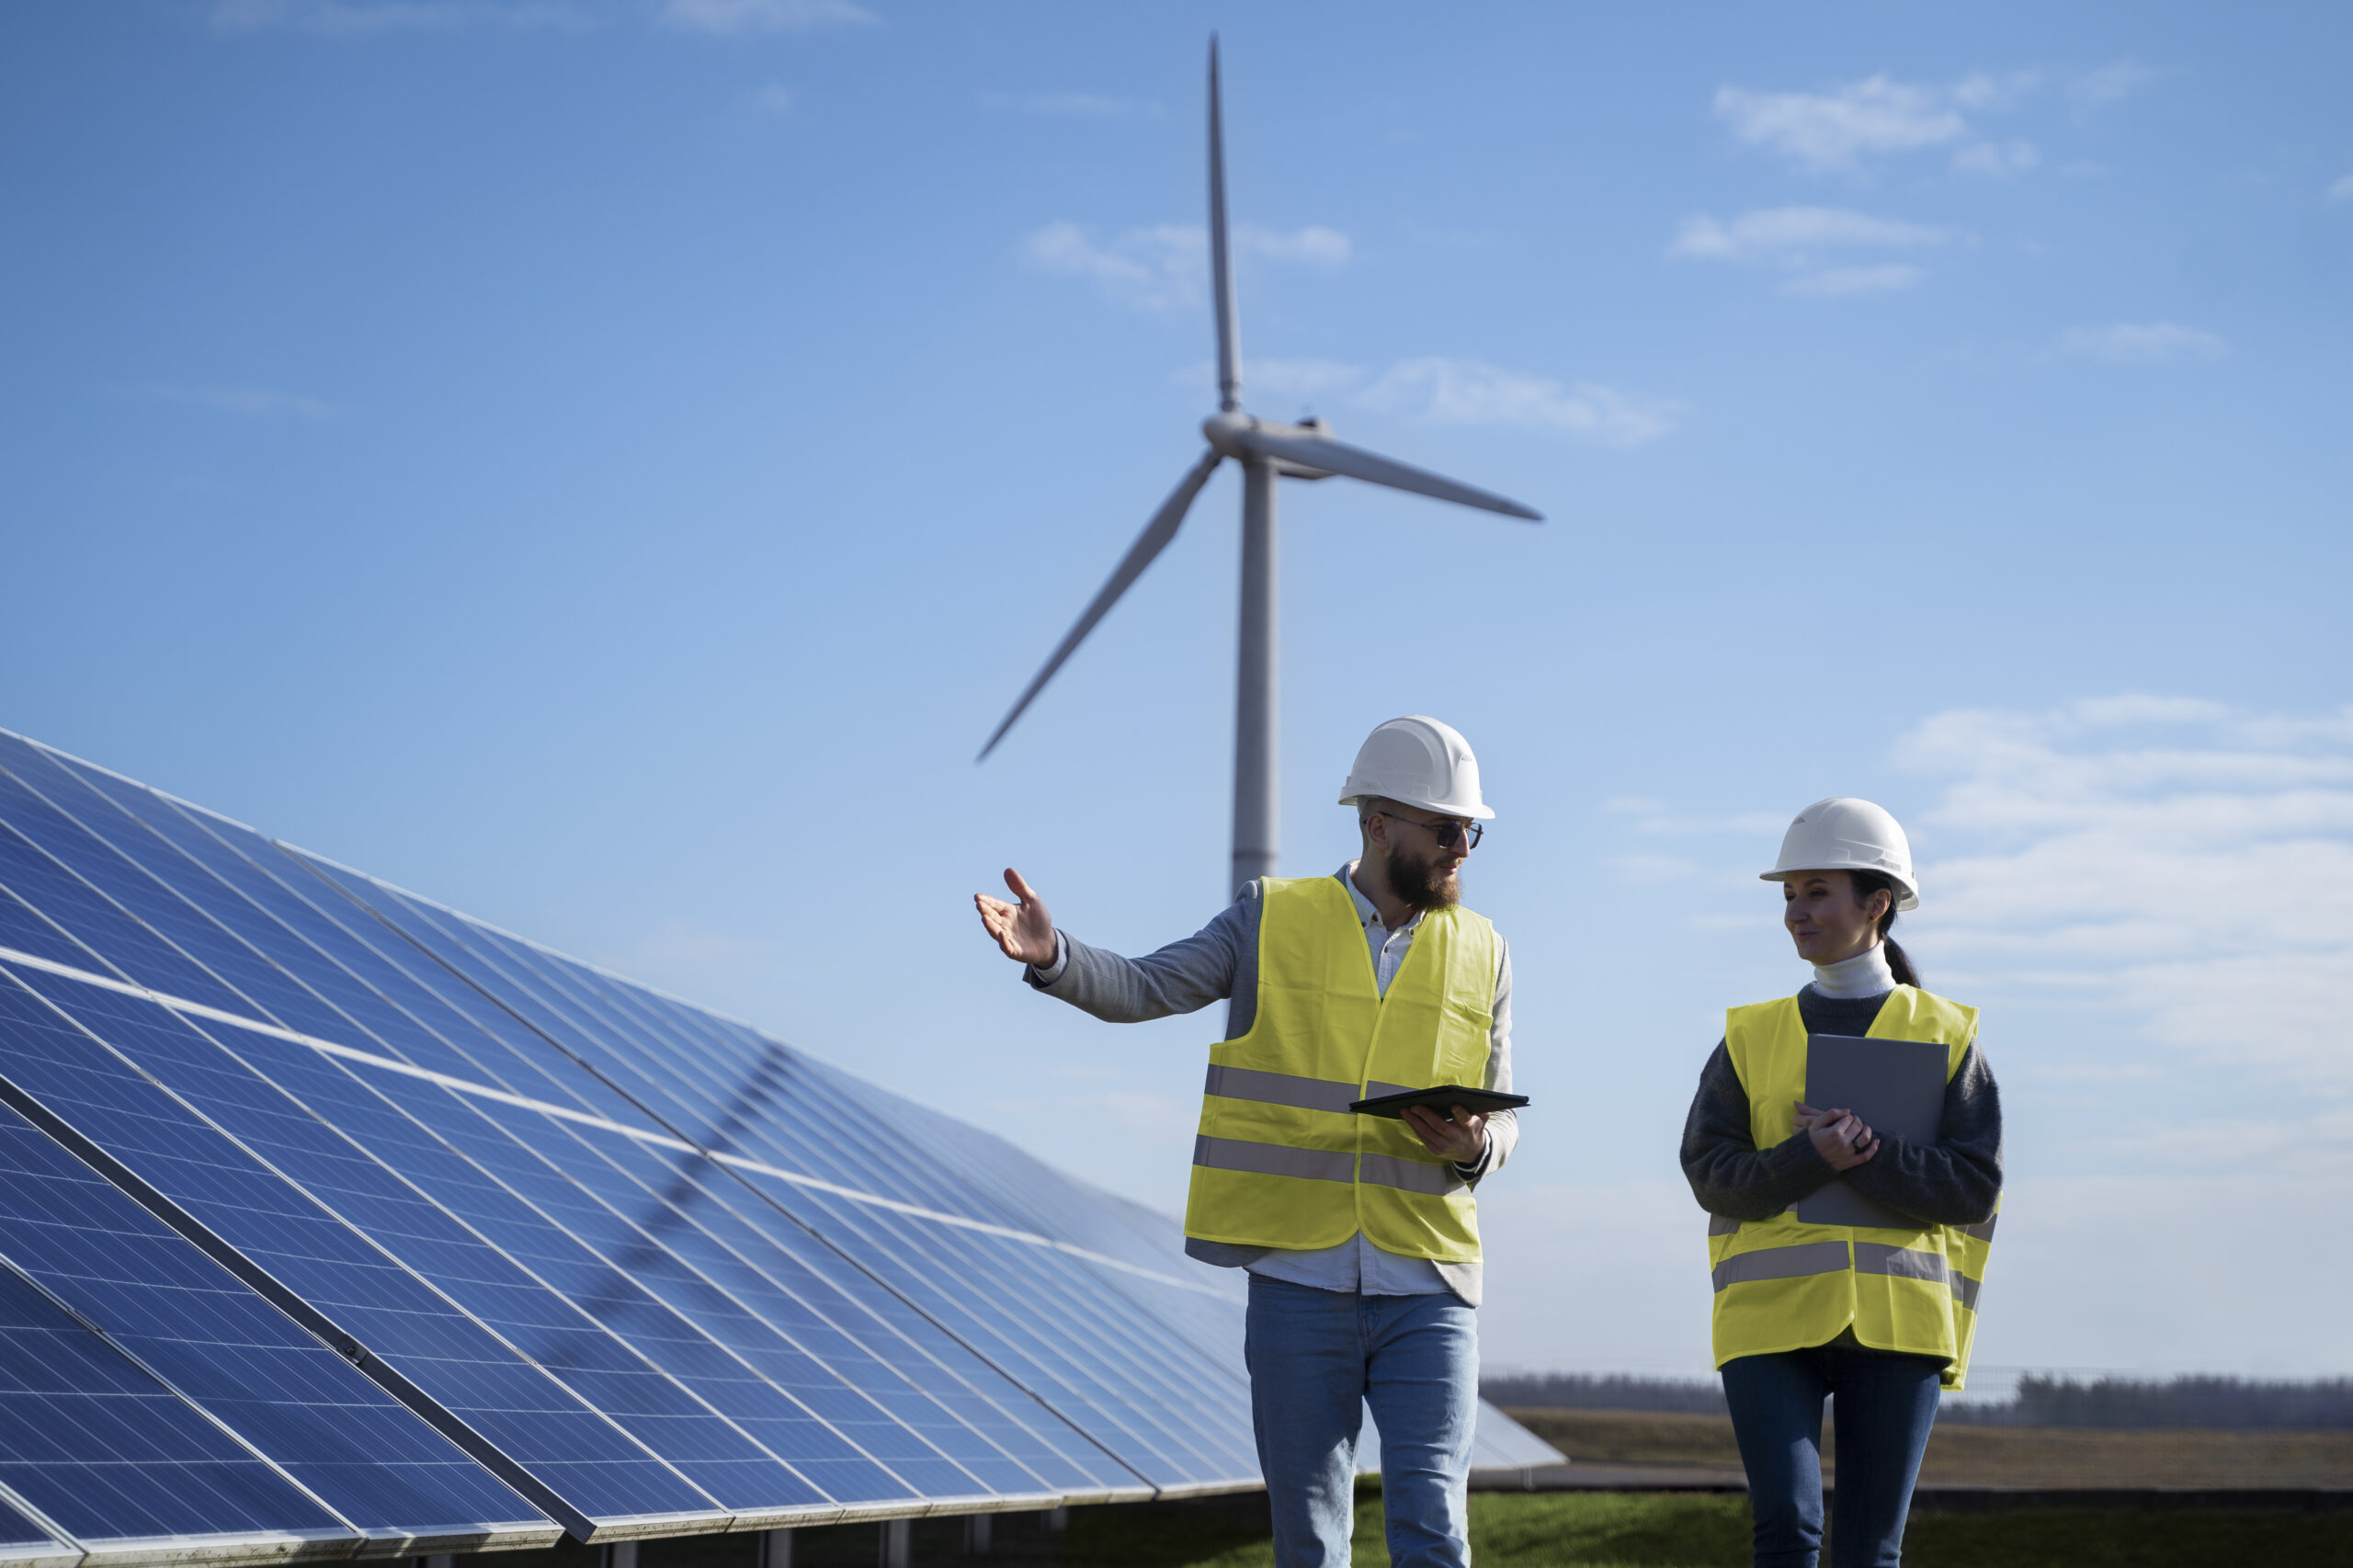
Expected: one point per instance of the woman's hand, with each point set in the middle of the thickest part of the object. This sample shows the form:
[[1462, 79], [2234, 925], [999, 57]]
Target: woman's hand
[[1460, 1138], [1023, 930], [1839, 1136]]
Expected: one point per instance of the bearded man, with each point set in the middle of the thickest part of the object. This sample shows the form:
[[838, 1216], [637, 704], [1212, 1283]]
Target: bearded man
[[1360, 1233]]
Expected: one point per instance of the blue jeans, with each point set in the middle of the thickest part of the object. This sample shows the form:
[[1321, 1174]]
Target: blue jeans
[[1316, 1358], [1884, 1404]]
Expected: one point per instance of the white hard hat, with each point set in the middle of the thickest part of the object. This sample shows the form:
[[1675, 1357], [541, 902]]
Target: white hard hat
[[1846, 835], [1419, 762]]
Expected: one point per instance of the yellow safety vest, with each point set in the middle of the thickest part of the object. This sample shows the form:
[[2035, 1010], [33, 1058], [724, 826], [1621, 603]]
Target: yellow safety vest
[[1281, 1161], [1784, 1285]]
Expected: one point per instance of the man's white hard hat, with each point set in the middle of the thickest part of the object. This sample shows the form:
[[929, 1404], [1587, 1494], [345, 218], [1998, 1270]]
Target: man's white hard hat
[[1416, 761], [1842, 833]]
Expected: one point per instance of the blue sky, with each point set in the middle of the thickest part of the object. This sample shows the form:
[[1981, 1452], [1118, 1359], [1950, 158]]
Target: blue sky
[[606, 464]]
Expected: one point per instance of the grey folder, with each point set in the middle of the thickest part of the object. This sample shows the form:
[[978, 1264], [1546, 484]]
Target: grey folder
[[1897, 1086]]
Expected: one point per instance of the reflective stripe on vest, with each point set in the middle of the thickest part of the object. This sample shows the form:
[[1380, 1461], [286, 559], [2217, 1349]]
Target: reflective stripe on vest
[[1782, 1284], [1280, 1160], [1280, 1088], [1830, 1257]]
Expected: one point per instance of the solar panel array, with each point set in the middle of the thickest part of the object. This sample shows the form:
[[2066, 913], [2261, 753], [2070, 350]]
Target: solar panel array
[[335, 1223]]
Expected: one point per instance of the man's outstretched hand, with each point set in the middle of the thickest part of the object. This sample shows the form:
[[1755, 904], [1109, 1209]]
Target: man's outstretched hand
[[1023, 930]]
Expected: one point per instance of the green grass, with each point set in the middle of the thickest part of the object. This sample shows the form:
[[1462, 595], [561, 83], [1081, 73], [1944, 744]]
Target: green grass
[[1562, 1530]]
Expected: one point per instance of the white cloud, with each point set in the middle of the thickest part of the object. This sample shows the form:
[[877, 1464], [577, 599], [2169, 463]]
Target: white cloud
[[1833, 131], [1296, 378], [1166, 265], [1880, 118], [2141, 343], [1075, 105], [774, 98], [1468, 392], [729, 18], [1835, 282], [1641, 870], [1802, 239], [1314, 245], [2110, 83], [1991, 90], [2342, 189], [1798, 233], [247, 402], [1997, 159], [2187, 865], [1157, 267]]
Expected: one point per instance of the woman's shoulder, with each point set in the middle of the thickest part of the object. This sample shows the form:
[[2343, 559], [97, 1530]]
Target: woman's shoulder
[[1951, 1020]]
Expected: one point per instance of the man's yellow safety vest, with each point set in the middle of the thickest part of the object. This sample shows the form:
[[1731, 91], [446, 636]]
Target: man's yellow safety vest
[[1281, 1161], [1785, 1285]]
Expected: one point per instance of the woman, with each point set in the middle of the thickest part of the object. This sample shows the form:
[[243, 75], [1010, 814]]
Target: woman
[[1877, 1318]]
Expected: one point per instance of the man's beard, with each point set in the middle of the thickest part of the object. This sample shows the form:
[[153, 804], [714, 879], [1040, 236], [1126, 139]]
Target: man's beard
[[1423, 885]]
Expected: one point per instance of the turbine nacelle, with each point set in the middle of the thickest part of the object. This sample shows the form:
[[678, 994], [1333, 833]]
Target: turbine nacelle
[[1241, 437]]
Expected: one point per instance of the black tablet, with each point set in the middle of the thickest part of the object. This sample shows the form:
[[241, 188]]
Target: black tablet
[[1441, 1099]]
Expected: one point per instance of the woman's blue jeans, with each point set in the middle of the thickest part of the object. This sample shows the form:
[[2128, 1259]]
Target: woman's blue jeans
[[1317, 1358], [1884, 1404]]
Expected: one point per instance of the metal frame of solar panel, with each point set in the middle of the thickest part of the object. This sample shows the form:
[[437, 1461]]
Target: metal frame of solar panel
[[335, 1224]]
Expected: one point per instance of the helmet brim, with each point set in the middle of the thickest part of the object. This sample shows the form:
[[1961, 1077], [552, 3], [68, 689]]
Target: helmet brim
[[1480, 812], [1907, 896]]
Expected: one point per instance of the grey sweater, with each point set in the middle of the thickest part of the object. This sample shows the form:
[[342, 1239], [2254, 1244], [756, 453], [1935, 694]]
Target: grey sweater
[[1957, 1181], [1219, 962]]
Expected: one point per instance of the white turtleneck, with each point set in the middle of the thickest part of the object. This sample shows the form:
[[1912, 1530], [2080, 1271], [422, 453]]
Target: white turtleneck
[[1865, 975]]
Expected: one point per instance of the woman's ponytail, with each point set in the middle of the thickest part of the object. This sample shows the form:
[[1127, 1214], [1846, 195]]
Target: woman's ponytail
[[1866, 885], [1898, 965]]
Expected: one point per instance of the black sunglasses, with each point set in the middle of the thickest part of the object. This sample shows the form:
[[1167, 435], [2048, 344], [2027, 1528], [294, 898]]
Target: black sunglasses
[[1447, 834]]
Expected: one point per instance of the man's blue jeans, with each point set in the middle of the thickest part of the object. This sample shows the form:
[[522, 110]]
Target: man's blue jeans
[[1316, 1358], [1884, 1404]]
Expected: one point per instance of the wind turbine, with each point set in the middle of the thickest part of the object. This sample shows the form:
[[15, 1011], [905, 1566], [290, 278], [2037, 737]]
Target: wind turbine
[[1267, 452]]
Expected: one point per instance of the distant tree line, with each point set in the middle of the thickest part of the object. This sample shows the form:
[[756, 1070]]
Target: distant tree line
[[2041, 1401], [2176, 1401]]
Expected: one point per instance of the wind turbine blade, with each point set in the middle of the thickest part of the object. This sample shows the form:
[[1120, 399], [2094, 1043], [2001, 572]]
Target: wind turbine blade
[[1338, 457], [1141, 554], [1229, 331]]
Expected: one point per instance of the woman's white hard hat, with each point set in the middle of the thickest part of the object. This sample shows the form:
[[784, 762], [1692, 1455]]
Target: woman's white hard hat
[[1842, 833], [1416, 761]]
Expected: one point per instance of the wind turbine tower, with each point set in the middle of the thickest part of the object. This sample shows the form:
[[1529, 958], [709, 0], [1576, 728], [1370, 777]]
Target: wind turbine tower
[[1268, 452]]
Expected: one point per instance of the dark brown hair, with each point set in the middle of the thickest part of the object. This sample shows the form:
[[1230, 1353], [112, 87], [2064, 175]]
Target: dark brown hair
[[1867, 883]]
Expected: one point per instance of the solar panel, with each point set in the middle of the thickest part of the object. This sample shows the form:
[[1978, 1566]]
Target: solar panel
[[150, 1296], [436, 1236]]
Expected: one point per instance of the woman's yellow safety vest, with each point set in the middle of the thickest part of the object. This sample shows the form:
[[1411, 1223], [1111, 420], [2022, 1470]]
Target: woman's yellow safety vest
[[1785, 1285], [1281, 1161]]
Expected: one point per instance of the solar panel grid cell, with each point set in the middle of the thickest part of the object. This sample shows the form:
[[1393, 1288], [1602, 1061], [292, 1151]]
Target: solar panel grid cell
[[271, 899], [79, 910], [933, 1391], [590, 1007], [315, 1259], [585, 1004], [1038, 1340], [652, 1250], [212, 1340], [492, 1215], [109, 1452]]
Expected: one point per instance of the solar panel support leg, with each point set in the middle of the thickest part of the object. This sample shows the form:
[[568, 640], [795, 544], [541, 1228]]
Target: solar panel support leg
[[1054, 1521], [980, 1534], [775, 1549], [621, 1554], [894, 1553]]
